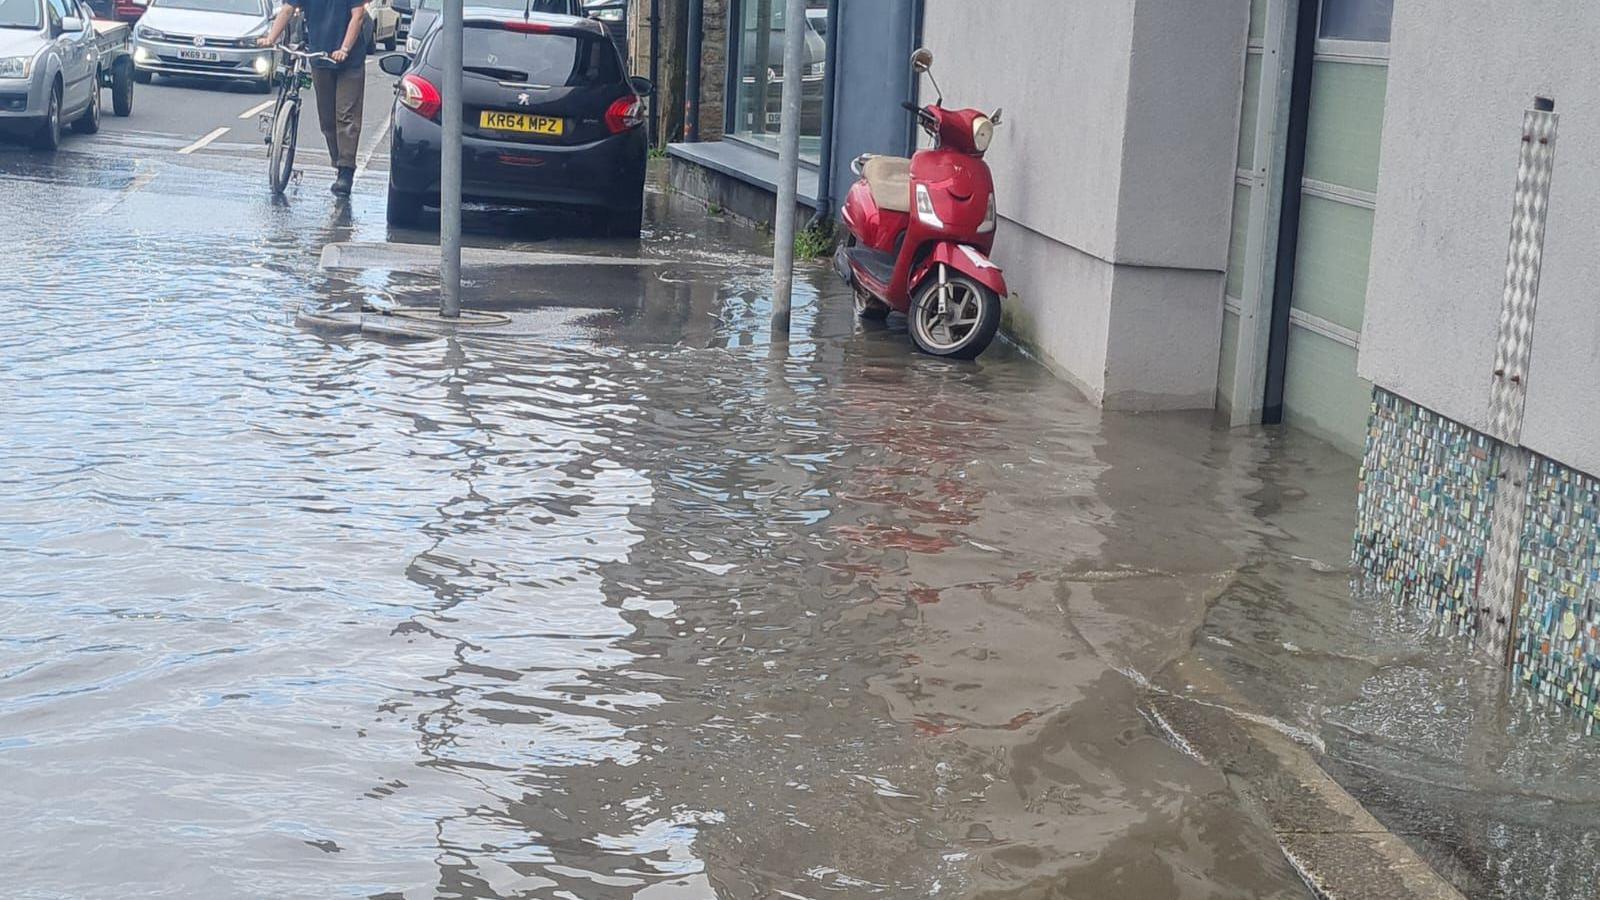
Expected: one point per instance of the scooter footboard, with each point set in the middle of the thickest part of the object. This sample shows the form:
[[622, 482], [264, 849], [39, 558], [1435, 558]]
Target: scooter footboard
[[969, 261]]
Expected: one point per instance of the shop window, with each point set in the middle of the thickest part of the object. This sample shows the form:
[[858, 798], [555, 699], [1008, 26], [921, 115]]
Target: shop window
[[758, 100]]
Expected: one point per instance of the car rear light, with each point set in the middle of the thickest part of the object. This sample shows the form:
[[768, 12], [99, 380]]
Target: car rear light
[[626, 112], [420, 96], [526, 27]]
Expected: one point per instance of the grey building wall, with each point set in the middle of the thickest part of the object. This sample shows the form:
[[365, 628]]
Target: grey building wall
[[1114, 169], [872, 74], [1461, 73]]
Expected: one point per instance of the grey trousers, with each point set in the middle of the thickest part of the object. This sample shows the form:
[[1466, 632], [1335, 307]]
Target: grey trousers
[[340, 95]]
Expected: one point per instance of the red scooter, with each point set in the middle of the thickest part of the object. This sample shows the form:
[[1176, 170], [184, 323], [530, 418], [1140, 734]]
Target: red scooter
[[920, 232]]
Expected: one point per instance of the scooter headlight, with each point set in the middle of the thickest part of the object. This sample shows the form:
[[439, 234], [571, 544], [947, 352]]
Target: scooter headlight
[[982, 133], [925, 210]]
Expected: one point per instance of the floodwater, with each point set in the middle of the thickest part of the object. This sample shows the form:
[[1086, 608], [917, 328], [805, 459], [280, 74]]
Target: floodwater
[[644, 606]]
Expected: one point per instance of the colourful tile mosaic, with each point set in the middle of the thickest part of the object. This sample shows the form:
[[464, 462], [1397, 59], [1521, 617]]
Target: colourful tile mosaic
[[1423, 510], [1556, 646]]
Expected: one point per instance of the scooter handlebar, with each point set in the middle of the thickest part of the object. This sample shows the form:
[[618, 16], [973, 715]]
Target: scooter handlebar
[[910, 107]]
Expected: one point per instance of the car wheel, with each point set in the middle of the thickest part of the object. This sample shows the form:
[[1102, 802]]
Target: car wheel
[[48, 137], [89, 122], [142, 77], [622, 223], [390, 42], [404, 208], [122, 87]]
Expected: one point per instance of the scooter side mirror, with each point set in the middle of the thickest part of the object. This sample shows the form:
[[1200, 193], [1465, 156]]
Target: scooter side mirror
[[921, 60], [996, 117]]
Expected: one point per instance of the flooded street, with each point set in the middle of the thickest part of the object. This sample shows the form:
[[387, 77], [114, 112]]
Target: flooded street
[[647, 606]]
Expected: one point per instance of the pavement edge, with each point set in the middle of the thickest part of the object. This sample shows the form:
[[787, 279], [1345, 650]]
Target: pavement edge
[[1338, 847]]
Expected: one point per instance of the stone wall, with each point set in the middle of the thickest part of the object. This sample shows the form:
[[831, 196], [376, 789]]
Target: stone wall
[[714, 70]]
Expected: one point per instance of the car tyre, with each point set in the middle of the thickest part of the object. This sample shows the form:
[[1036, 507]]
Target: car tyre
[[48, 137], [89, 122], [389, 44], [143, 77], [122, 75], [404, 208], [623, 223]]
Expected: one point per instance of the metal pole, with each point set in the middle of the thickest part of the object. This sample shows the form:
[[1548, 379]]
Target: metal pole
[[655, 72], [450, 42], [697, 23], [794, 31]]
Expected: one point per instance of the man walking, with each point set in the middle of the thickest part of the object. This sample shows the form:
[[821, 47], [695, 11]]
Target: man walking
[[337, 28]]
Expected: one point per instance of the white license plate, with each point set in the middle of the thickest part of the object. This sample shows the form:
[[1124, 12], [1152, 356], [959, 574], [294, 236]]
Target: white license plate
[[200, 55], [774, 118]]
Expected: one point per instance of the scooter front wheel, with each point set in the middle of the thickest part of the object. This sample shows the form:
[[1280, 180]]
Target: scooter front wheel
[[963, 325]]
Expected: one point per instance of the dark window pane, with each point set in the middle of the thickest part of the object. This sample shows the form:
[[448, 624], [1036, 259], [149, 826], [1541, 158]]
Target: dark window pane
[[1356, 20], [549, 60]]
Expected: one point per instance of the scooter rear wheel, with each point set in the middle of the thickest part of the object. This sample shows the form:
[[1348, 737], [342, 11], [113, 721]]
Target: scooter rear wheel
[[966, 323], [870, 308]]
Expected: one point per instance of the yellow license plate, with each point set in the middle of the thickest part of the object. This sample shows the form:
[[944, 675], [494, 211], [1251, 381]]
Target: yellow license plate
[[492, 120]]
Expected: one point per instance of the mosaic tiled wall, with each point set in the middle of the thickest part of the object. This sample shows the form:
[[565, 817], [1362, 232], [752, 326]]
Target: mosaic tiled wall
[[1425, 510], [1422, 519], [1556, 645]]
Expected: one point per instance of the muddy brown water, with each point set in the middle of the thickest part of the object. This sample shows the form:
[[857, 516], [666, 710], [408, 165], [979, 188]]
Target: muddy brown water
[[646, 607]]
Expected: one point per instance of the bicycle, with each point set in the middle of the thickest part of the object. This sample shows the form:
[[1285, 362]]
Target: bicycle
[[284, 128]]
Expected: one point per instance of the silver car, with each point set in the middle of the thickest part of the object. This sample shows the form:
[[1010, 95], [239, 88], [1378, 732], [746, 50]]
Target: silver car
[[49, 67], [206, 38]]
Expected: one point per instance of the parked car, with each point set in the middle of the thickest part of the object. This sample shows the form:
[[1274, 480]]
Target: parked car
[[427, 12], [769, 74], [549, 119], [383, 24], [205, 38], [406, 9], [49, 69]]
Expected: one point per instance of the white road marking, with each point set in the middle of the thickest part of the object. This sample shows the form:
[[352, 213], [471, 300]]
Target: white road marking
[[372, 146], [140, 179], [258, 109], [200, 144]]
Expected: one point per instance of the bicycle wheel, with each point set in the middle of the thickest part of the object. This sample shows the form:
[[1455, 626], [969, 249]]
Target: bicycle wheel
[[280, 158]]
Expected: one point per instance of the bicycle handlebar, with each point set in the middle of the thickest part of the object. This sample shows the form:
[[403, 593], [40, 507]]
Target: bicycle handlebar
[[301, 53]]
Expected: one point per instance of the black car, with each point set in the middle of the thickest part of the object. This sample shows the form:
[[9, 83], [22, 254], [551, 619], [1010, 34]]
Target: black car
[[549, 119]]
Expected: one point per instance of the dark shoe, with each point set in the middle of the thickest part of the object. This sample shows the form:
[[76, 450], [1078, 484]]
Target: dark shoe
[[341, 184]]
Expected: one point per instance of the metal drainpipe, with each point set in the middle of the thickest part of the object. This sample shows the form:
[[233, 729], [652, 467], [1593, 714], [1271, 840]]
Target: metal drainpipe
[[691, 125], [825, 162], [655, 73]]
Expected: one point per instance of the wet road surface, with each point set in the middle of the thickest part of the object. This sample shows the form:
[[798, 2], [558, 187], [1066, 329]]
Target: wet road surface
[[646, 607]]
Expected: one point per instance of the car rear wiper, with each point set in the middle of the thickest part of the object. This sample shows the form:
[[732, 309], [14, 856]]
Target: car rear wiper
[[498, 74]]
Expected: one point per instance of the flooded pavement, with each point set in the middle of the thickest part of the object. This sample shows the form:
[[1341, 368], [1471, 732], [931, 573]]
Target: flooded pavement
[[646, 606]]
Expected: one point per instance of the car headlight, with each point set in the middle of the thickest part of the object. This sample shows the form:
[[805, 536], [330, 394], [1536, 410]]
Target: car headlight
[[817, 69], [412, 44], [150, 34], [16, 66], [982, 133]]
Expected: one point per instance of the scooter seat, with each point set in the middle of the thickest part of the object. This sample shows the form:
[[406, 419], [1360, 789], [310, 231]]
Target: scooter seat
[[889, 178]]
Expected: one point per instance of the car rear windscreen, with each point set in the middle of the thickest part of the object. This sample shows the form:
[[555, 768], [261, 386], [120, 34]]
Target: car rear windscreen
[[545, 60]]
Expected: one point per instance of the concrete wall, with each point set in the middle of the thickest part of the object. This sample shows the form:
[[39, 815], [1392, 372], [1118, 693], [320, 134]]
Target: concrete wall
[[1461, 73], [1116, 158]]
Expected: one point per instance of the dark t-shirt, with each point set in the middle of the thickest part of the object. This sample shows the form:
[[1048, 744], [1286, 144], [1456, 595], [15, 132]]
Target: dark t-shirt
[[326, 23]]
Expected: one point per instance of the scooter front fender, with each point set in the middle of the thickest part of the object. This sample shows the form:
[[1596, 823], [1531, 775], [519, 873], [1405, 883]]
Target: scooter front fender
[[966, 259]]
